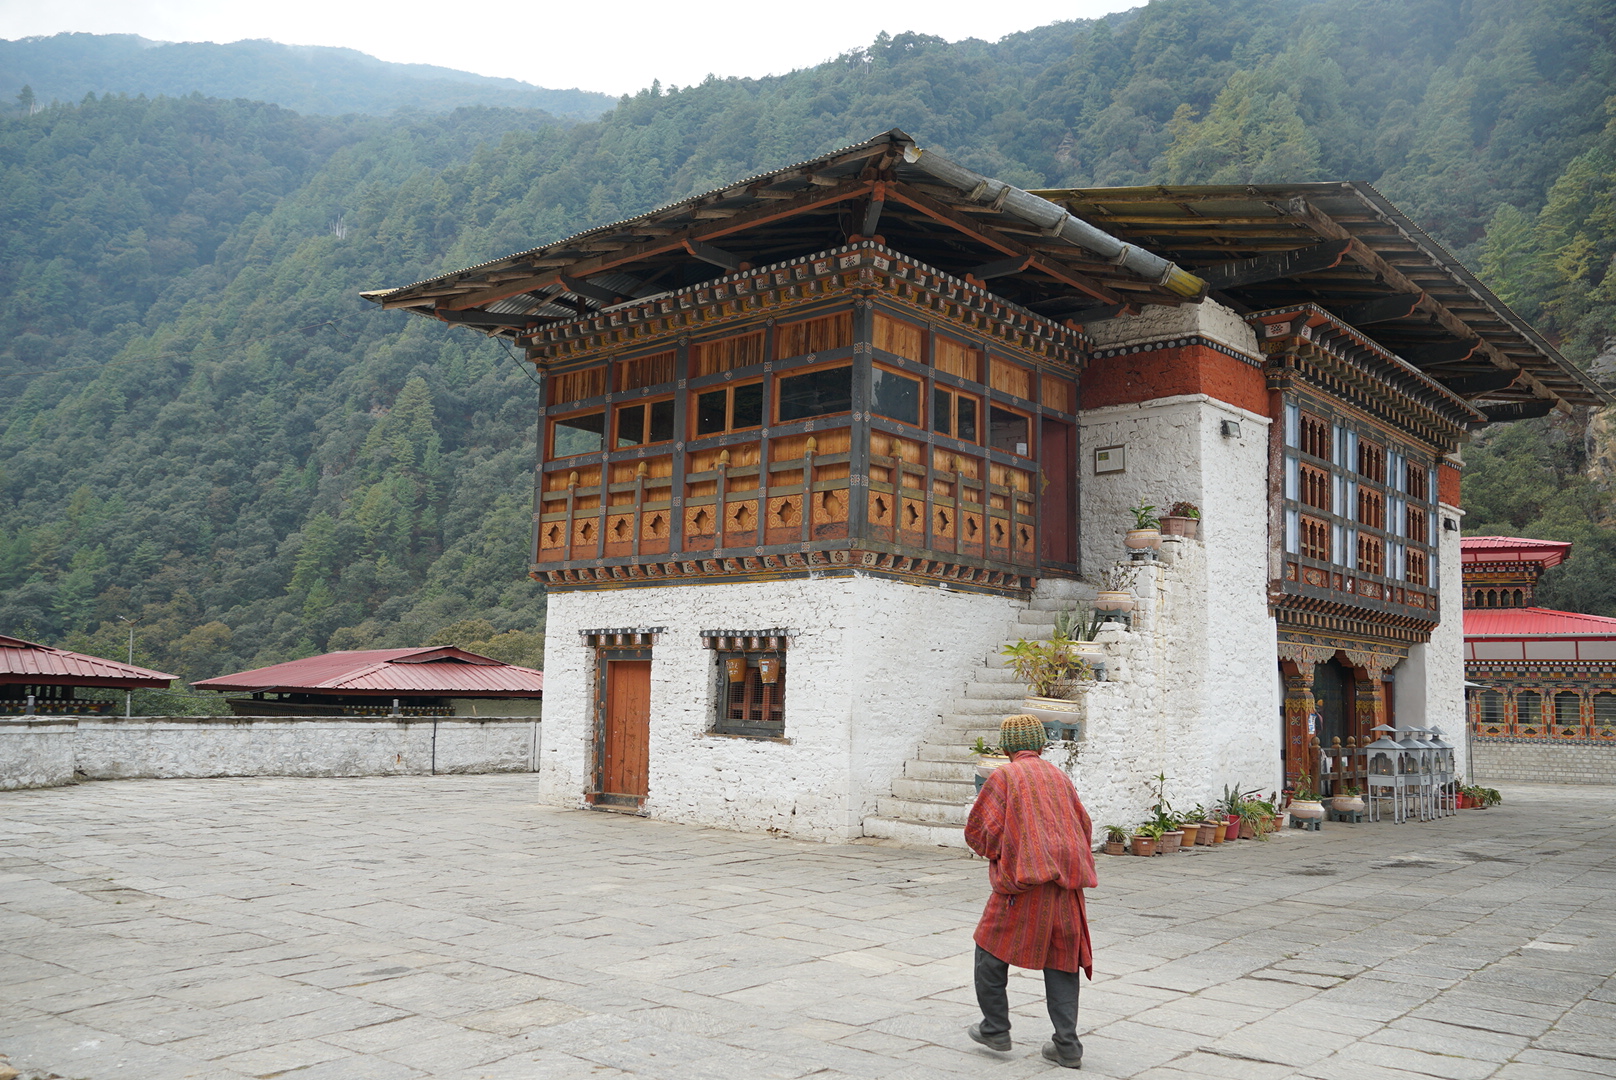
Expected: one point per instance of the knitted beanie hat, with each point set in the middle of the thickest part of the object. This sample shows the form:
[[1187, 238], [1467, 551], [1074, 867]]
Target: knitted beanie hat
[[1021, 733]]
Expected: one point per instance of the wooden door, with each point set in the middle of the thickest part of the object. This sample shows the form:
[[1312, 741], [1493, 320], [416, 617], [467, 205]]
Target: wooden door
[[1057, 517], [625, 745]]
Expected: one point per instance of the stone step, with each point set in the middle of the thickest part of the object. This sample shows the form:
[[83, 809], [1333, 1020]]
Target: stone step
[[977, 707], [915, 833], [929, 810], [996, 691], [949, 791], [942, 768], [1033, 617]]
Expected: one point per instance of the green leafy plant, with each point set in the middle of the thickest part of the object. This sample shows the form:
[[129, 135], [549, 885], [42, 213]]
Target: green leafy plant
[[1184, 509], [1303, 791], [1152, 829], [1116, 834], [985, 748], [1049, 668], [1348, 791], [1144, 517], [1078, 624]]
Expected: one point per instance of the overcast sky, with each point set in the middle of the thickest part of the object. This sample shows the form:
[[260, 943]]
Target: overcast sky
[[614, 47]]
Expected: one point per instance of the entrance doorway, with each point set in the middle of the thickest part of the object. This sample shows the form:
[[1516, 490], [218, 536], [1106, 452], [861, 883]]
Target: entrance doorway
[[1333, 701], [1058, 511], [624, 734]]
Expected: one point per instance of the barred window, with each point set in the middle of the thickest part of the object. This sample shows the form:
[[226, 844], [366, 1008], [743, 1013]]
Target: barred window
[[1416, 567], [1417, 530], [1315, 486], [753, 704], [1529, 707], [1371, 461], [1371, 554], [1371, 508], [1492, 707], [1315, 436], [1568, 709], [1315, 539], [1605, 709], [1418, 482]]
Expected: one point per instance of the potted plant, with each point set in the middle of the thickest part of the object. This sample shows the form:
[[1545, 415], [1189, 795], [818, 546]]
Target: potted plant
[[1162, 816], [1257, 818], [1350, 801], [1116, 840], [1145, 838], [1054, 675], [1182, 519], [988, 758], [1229, 808], [1146, 532], [1116, 588], [1305, 802], [1078, 627]]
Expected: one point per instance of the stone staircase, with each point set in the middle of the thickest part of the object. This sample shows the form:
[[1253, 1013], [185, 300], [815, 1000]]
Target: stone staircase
[[930, 800]]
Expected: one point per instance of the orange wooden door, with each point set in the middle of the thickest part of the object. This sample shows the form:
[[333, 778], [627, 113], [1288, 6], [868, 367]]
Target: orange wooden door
[[625, 755]]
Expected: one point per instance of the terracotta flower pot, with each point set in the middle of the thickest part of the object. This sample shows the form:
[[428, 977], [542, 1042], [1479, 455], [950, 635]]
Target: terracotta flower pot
[[1115, 847], [1143, 845], [1142, 539], [1306, 809], [1247, 830], [1187, 527], [1231, 827], [1171, 841], [1216, 828]]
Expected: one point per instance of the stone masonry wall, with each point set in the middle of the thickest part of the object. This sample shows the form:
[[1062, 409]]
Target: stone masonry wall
[[869, 672], [1542, 763], [36, 752], [106, 748]]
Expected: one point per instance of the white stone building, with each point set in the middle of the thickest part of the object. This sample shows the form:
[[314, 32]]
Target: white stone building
[[817, 445]]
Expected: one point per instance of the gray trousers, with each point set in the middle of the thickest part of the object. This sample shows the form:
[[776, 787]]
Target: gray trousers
[[1060, 996]]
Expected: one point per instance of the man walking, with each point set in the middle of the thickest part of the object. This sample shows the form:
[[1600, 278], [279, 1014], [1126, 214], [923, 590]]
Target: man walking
[[1031, 827]]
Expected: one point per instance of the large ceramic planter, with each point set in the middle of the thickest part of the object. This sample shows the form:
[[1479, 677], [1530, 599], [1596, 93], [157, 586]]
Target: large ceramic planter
[[1170, 842], [1347, 804], [1143, 539], [985, 764], [1306, 809], [1061, 717], [1114, 600], [1186, 527], [1143, 845]]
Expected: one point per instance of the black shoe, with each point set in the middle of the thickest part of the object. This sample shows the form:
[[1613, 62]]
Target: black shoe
[[1052, 1054], [1000, 1043]]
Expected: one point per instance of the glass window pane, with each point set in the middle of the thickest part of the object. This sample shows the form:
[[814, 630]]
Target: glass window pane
[[630, 425], [965, 410], [1492, 707], [1529, 707], [1567, 708], [711, 412], [816, 393], [895, 396], [1007, 431], [582, 434], [942, 411], [748, 406], [661, 421]]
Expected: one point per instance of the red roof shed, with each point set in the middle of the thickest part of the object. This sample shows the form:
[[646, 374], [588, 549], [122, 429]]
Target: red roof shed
[[29, 663], [442, 671]]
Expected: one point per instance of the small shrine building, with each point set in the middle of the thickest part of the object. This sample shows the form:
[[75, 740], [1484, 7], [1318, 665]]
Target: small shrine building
[[43, 680], [814, 446], [1543, 705]]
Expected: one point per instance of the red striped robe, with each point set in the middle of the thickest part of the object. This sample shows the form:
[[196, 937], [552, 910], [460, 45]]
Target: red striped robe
[[1031, 827]]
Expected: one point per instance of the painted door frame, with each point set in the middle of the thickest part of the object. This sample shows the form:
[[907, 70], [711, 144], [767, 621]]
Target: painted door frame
[[598, 796]]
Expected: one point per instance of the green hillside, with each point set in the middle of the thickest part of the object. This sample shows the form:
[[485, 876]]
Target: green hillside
[[307, 78], [203, 428]]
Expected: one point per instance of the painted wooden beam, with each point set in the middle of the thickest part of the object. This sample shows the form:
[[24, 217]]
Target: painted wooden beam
[[1280, 264], [1382, 309], [1486, 382]]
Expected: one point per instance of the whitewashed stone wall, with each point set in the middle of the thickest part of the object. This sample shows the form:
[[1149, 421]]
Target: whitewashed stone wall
[[106, 748], [872, 666], [36, 752]]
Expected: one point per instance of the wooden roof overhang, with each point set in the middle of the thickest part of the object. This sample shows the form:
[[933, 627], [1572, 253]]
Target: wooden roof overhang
[[1345, 248], [972, 227], [1365, 374]]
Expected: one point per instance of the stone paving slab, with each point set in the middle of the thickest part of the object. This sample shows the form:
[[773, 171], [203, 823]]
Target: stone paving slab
[[451, 927]]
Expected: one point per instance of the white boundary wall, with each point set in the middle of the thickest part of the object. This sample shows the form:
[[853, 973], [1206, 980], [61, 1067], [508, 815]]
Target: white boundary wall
[[872, 667], [44, 753]]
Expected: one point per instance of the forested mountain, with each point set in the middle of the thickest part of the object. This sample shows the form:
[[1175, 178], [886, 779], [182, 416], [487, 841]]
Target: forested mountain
[[203, 428], [308, 78]]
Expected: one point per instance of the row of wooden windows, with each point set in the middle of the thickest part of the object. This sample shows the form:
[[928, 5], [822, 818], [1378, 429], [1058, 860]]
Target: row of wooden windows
[[816, 392], [1533, 707], [1499, 598]]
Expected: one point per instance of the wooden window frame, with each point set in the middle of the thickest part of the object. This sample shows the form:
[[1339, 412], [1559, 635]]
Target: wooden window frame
[[923, 409], [772, 408], [646, 403], [607, 435], [755, 695], [954, 394], [1314, 430], [1315, 480], [1307, 528], [729, 388]]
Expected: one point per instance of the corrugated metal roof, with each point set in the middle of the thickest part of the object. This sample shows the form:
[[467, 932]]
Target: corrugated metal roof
[[1534, 622], [28, 661], [436, 671], [1475, 549]]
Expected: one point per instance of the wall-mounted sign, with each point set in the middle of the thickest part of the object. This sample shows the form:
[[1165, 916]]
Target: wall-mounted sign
[[1110, 459]]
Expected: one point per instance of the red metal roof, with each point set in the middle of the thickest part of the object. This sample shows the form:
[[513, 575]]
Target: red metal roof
[[435, 672], [1534, 622], [29, 662], [1513, 549]]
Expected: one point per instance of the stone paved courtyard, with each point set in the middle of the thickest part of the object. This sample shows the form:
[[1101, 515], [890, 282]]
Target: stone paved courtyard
[[452, 927]]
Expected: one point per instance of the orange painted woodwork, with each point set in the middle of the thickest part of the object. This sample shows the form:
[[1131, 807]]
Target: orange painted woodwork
[[1193, 369], [626, 755]]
